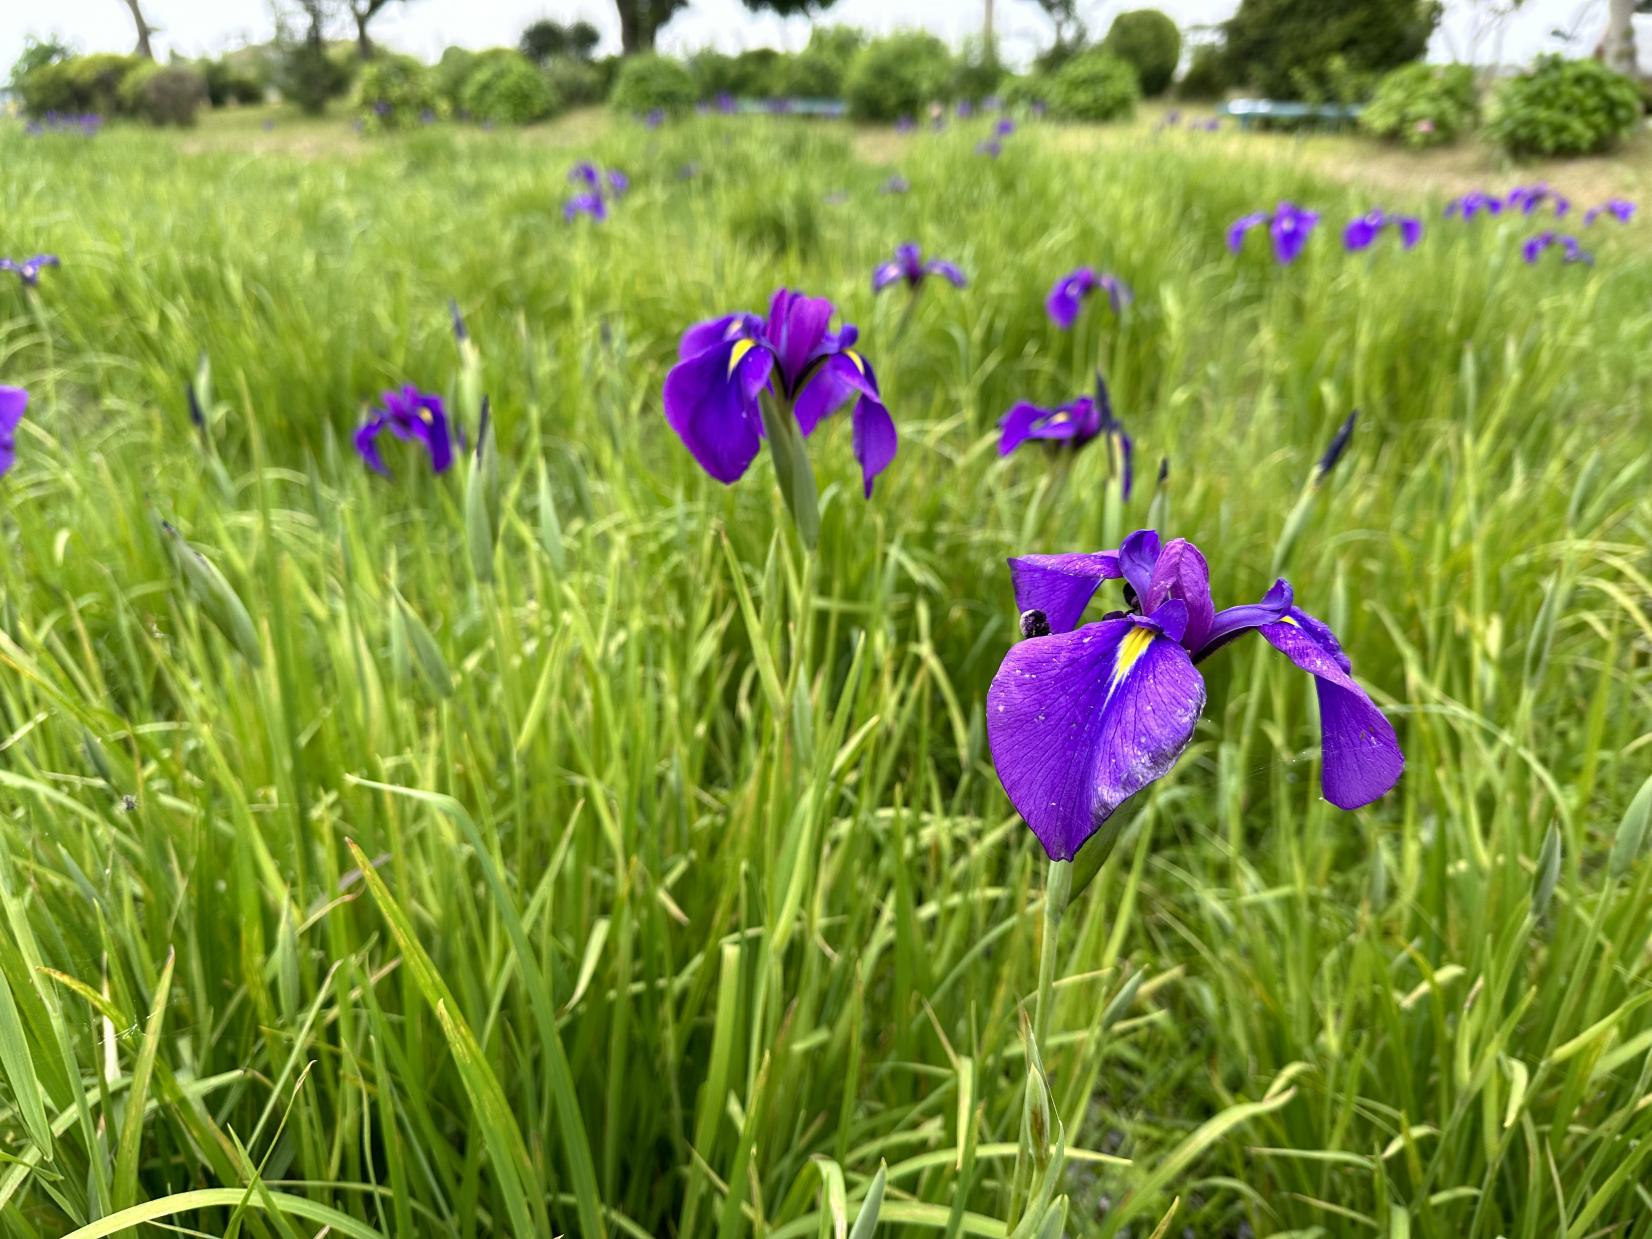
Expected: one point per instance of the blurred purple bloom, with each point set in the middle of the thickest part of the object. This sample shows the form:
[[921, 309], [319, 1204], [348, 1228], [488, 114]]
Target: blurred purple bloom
[[1529, 197], [905, 124], [965, 109], [1170, 119], [1210, 125], [1004, 127], [594, 205], [1081, 718], [1068, 293], [654, 119], [908, 265], [1620, 209], [726, 104], [1039, 107], [28, 271], [1338, 445], [725, 365], [1288, 225], [13, 401], [412, 416], [896, 184], [1471, 204], [1364, 229], [1534, 246], [990, 147]]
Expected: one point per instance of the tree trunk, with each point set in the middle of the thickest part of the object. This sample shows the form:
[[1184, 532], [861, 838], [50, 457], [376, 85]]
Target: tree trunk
[[986, 27], [630, 27], [1618, 45], [364, 45], [143, 49]]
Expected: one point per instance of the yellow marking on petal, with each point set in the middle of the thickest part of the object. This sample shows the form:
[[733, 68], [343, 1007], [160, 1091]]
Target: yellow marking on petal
[[1285, 619], [424, 416], [1061, 419], [740, 349], [855, 357], [1130, 652]]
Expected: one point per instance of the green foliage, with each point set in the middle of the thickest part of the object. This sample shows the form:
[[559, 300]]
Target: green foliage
[[1423, 105], [506, 89], [649, 83], [1207, 74], [312, 75], [1094, 86], [977, 72], [80, 84], [898, 76], [1021, 91], [546, 40], [1292, 49], [810, 75], [37, 54], [713, 73], [395, 92], [1563, 107], [1149, 42], [164, 94], [756, 73], [230, 81], [578, 83]]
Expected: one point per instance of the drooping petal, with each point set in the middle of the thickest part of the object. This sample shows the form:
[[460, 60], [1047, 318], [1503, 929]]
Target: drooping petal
[[13, 401], [367, 446], [1361, 754], [1067, 296], [711, 402], [1017, 426], [1361, 231], [947, 271], [827, 388], [1079, 722], [1411, 230], [1138, 556], [1059, 587], [1118, 292], [1231, 622], [886, 274], [874, 439], [1242, 225], [1182, 574]]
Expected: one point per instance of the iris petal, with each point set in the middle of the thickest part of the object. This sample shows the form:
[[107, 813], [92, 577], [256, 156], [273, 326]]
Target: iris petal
[[1079, 722], [1138, 555], [1061, 586], [1181, 573], [1361, 754], [711, 402]]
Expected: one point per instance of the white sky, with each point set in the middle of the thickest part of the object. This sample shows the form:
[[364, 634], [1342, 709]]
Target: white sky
[[425, 27]]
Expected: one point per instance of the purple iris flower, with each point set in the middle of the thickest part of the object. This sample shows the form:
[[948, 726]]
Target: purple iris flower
[[1171, 119], [726, 104], [1207, 126], [413, 416], [966, 109], [1004, 127], [30, 268], [724, 366], [594, 205], [1472, 203], [1081, 718], [905, 124], [1364, 229], [1072, 424], [1620, 209], [1067, 295], [909, 265], [1533, 247], [1288, 224], [990, 147], [13, 400], [896, 184], [655, 118], [1529, 197]]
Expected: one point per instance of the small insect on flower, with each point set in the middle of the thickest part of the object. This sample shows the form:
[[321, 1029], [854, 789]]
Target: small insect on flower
[[909, 266], [29, 269], [727, 365], [413, 416], [1532, 248], [1620, 209], [1472, 204], [1082, 717], [13, 401], [1067, 295], [1365, 229], [1289, 226]]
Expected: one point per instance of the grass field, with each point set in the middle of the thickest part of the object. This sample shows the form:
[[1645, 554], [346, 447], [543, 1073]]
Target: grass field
[[612, 865]]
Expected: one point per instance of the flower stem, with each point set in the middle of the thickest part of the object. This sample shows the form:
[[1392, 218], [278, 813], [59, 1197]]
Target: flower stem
[[1058, 884]]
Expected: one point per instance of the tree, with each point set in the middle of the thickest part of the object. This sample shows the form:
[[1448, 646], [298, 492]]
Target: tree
[[363, 12], [546, 39], [1069, 30], [789, 8], [1286, 48], [1617, 46], [144, 30], [641, 20]]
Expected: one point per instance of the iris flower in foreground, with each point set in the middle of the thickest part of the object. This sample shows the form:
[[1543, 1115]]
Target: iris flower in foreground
[[1532, 249], [1362, 231], [413, 416], [909, 265], [13, 400], [1082, 717], [1067, 295], [1472, 203], [1620, 209], [29, 269], [1288, 224], [728, 365]]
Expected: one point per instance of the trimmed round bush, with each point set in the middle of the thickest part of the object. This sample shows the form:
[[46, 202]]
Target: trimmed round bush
[[898, 76], [163, 94], [228, 82], [653, 83], [1094, 86], [1422, 105], [507, 90], [1206, 76], [1149, 42], [397, 91], [1563, 107], [80, 84], [312, 77]]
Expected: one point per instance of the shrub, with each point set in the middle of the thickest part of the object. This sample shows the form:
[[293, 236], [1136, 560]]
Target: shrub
[[756, 73], [1422, 105], [1284, 48], [79, 84], [312, 77], [37, 54], [1149, 42], [897, 76], [456, 64], [506, 89], [163, 94], [978, 71], [1207, 74], [713, 74], [397, 91], [228, 82], [810, 76], [1094, 86], [649, 83], [1563, 107], [577, 83], [1024, 90]]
